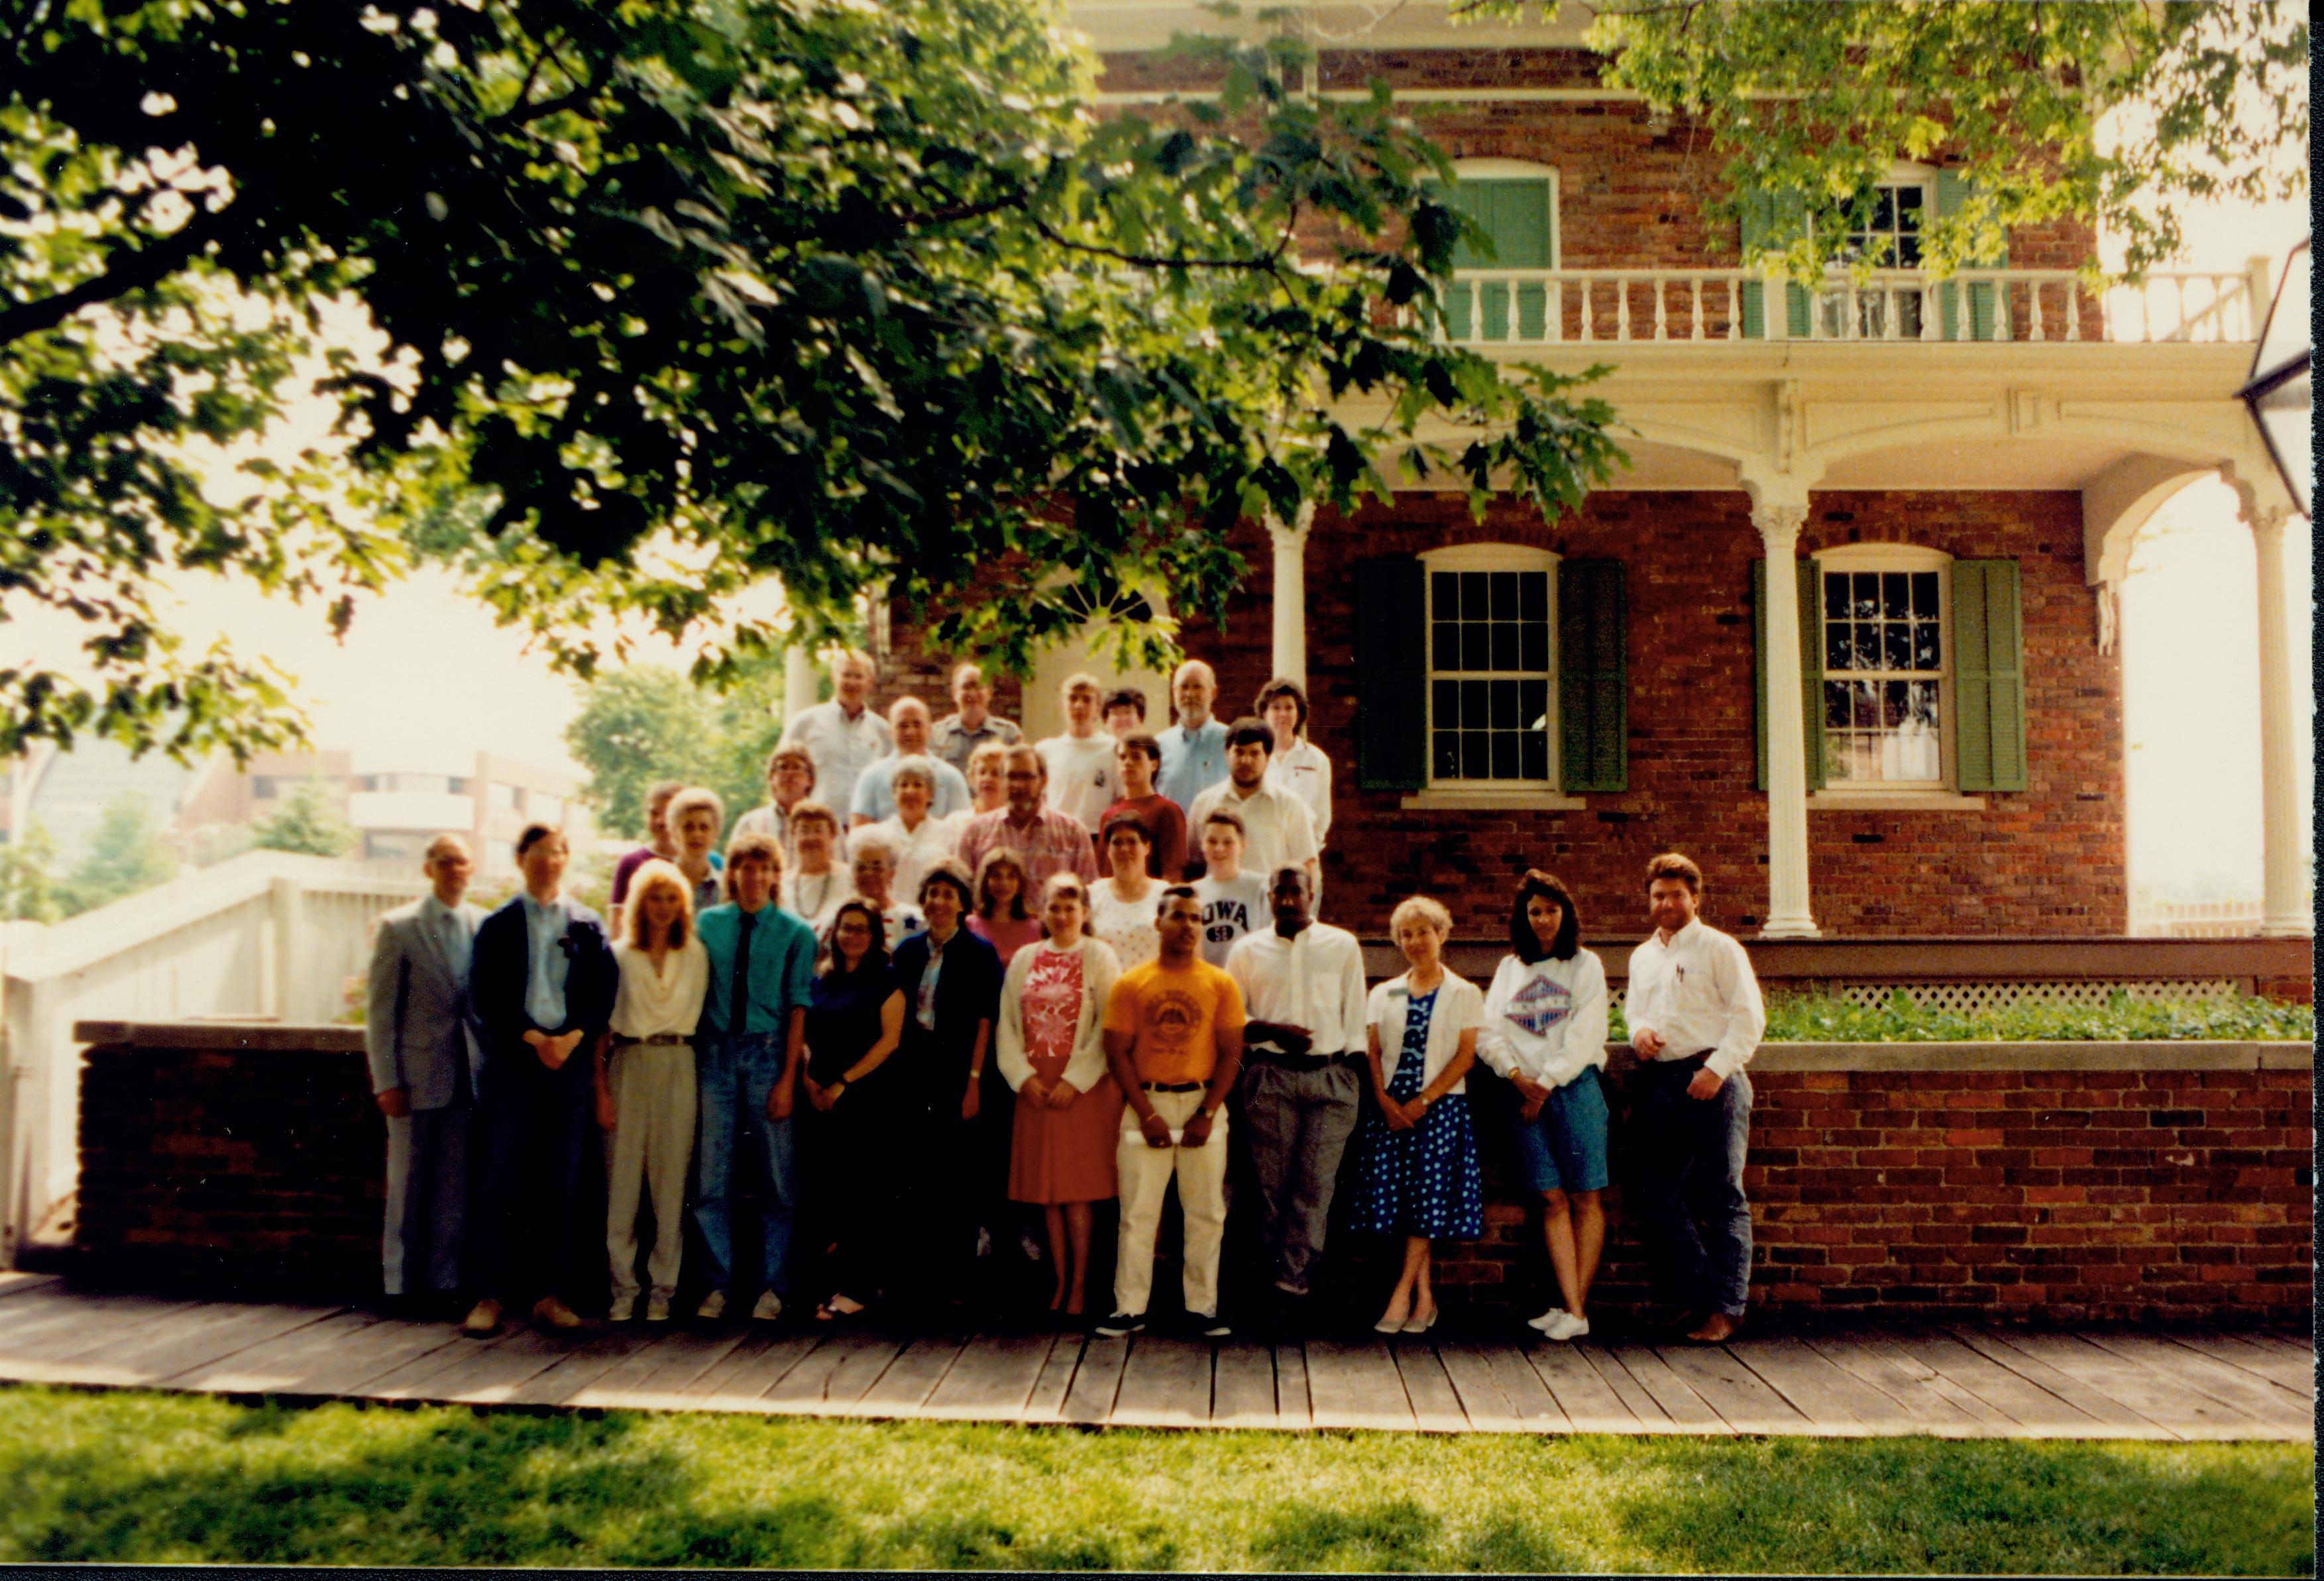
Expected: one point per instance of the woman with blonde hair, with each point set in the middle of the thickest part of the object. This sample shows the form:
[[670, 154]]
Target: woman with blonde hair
[[1051, 1051], [1420, 1150], [645, 1083]]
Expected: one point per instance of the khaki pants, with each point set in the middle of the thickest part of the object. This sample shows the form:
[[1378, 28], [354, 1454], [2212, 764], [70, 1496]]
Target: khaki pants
[[652, 1140], [1146, 1174]]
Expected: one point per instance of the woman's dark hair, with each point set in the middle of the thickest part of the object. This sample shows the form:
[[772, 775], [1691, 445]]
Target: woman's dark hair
[[1283, 686], [949, 872], [1130, 821], [1569, 928], [875, 956], [1001, 856]]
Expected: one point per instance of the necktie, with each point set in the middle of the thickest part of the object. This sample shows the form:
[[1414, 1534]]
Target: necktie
[[738, 1021]]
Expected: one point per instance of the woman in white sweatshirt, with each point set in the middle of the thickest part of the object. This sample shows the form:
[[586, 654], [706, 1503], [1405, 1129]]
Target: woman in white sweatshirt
[[1545, 1031]]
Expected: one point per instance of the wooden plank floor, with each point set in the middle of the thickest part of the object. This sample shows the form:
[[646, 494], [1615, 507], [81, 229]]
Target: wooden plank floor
[[2104, 1381]]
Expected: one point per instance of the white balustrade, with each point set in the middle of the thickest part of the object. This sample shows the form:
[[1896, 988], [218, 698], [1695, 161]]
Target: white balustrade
[[2037, 306]]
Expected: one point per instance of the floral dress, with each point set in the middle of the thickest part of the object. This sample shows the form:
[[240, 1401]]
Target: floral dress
[[1421, 1181]]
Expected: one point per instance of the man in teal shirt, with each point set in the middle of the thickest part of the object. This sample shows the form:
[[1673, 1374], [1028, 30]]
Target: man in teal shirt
[[753, 1034]]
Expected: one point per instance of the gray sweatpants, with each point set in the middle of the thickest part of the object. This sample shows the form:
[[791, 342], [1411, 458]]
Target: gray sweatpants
[[1297, 1123]]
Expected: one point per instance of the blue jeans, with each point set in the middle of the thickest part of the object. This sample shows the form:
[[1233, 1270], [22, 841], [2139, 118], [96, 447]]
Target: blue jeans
[[736, 1073], [1691, 1168]]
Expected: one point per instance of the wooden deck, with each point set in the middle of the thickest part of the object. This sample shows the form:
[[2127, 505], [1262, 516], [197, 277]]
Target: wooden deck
[[2107, 1383]]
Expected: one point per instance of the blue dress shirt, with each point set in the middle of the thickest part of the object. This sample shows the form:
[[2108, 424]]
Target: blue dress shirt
[[546, 962], [1192, 763]]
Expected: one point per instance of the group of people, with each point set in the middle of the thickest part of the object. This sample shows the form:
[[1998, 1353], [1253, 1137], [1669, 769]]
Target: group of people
[[904, 1052]]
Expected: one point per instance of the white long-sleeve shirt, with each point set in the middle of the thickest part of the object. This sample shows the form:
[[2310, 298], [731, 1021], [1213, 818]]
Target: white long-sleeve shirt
[[1546, 1019], [1696, 992], [1313, 979]]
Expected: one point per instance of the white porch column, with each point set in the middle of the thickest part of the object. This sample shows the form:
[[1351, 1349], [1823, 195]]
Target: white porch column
[[2286, 913], [1779, 523], [798, 680], [1291, 592]]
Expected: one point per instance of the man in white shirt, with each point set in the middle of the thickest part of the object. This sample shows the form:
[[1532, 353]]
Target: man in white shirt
[[843, 736], [1302, 988], [1084, 780], [1193, 750], [1695, 1017], [1276, 830], [875, 788]]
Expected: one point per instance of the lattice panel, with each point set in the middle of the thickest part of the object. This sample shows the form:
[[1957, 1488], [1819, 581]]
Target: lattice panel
[[1969, 998]]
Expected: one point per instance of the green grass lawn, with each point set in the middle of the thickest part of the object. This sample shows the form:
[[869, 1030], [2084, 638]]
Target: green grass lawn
[[126, 1477]]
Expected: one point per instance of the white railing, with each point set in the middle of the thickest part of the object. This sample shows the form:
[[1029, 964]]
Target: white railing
[[267, 935], [1489, 308]]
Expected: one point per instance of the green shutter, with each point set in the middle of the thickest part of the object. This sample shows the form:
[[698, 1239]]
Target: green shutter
[[1514, 213], [1592, 694], [1772, 221], [1391, 675], [1952, 192], [1811, 668], [1988, 677]]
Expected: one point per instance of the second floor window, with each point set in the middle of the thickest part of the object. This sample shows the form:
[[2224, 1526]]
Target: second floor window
[[1514, 203], [1885, 232]]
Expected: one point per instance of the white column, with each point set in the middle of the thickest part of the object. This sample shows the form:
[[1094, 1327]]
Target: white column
[[1291, 592], [2285, 913], [1779, 524], [798, 680]]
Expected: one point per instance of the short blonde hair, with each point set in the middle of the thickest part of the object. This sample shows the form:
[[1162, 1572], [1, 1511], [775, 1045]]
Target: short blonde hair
[[1420, 908], [813, 812], [649, 876], [996, 752], [923, 770], [1079, 680], [695, 798], [868, 844]]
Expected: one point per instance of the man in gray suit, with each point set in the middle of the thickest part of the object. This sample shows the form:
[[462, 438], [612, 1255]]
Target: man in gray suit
[[419, 1032]]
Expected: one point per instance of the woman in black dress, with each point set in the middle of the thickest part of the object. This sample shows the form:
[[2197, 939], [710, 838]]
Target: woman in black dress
[[855, 1020]]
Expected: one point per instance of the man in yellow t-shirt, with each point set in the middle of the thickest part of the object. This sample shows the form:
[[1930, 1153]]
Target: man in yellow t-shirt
[[1174, 1043]]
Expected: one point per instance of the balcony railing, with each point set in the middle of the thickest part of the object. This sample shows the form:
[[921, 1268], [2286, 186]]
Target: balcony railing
[[1489, 308]]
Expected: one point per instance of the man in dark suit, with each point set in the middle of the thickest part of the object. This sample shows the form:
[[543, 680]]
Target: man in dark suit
[[543, 981], [425, 1063]]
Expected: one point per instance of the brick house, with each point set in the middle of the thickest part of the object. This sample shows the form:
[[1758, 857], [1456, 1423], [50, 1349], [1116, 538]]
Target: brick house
[[1952, 471]]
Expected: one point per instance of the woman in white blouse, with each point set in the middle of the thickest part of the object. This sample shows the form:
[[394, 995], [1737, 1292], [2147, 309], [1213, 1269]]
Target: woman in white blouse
[[1419, 1175], [1121, 907], [1296, 764], [1051, 1051], [919, 841], [645, 1083], [1545, 1031]]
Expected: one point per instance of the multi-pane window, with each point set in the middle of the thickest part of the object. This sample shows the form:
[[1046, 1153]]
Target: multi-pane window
[[1490, 641], [1883, 676], [1888, 238]]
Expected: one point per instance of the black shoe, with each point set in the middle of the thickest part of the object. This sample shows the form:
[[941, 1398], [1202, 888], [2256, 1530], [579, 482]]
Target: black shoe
[[1213, 1327], [1121, 1323]]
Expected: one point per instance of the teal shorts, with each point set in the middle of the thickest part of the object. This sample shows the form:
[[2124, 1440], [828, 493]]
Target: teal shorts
[[1563, 1149]]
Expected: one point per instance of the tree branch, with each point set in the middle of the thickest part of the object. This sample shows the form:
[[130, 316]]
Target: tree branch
[[135, 271]]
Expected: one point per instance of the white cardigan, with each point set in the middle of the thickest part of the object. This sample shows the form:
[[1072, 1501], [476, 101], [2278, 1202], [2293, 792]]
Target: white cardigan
[[1460, 1008], [1086, 1066]]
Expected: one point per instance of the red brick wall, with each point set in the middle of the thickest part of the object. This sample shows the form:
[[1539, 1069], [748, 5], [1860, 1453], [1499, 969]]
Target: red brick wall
[[2058, 1195], [2046, 860]]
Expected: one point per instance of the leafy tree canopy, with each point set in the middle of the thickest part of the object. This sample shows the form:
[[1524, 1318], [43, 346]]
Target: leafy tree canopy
[[307, 822], [126, 854], [649, 723], [2116, 112], [629, 307], [29, 888]]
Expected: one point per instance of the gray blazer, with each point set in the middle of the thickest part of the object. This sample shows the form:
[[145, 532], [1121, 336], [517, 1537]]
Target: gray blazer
[[418, 1019]]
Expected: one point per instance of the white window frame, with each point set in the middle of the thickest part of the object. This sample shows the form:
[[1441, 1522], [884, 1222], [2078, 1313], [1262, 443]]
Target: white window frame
[[1489, 557], [1507, 170], [1832, 295], [1892, 793]]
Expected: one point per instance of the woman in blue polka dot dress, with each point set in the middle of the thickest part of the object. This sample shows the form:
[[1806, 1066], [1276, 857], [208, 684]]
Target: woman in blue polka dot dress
[[1420, 1150]]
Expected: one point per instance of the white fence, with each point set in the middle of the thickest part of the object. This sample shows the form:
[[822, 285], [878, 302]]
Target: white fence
[[1552, 307], [267, 935]]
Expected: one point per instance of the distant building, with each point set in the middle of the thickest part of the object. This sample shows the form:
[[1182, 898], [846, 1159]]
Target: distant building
[[66, 793]]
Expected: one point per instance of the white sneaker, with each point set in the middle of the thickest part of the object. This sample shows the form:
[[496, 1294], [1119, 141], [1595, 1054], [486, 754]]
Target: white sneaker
[[713, 1307], [657, 1308], [770, 1308], [624, 1308], [984, 1242], [1560, 1324]]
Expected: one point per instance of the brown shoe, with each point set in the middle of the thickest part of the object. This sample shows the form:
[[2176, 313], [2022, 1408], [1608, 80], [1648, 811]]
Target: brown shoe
[[1716, 1330], [549, 1312], [483, 1319]]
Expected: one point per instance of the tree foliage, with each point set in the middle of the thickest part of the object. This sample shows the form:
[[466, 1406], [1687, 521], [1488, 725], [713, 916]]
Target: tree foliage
[[308, 821], [2114, 111], [649, 723], [125, 855], [672, 296], [29, 889]]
